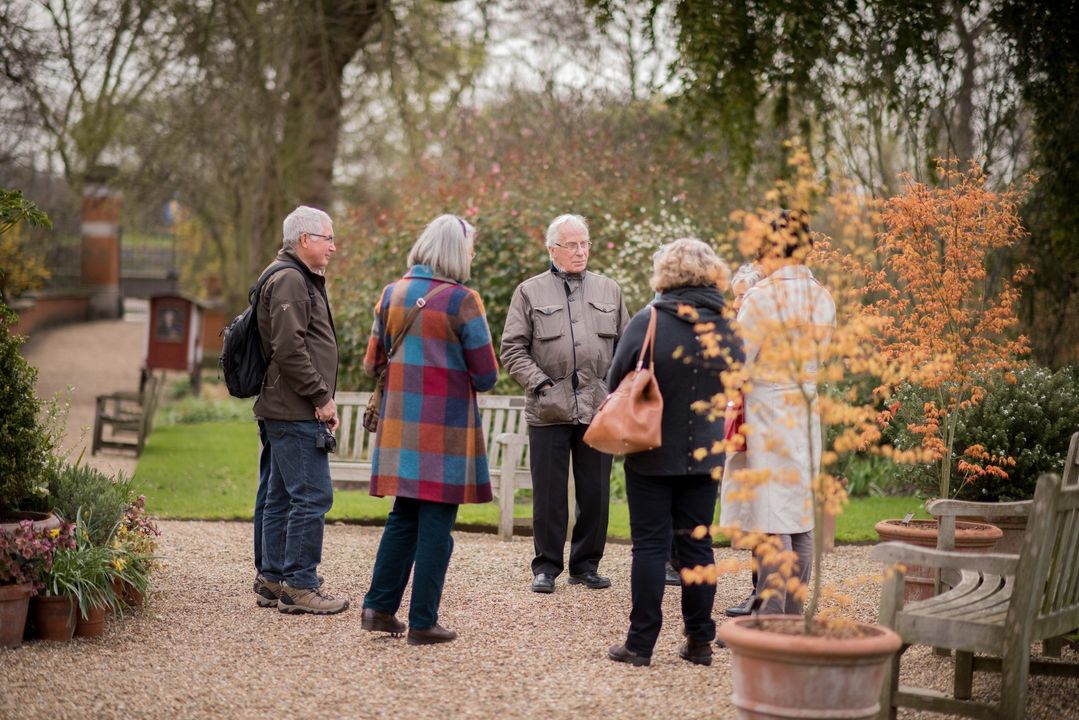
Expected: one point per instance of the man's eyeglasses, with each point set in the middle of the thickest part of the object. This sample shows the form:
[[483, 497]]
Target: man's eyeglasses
[[327, 238], [575, 247]]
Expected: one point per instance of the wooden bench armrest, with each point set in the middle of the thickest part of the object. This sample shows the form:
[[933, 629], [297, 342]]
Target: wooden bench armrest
[[991, 563], [511, 439], [955, 508]]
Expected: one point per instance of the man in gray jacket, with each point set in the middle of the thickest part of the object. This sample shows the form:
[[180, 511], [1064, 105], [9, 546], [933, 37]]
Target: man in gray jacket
[[559, 338], [296, 415]]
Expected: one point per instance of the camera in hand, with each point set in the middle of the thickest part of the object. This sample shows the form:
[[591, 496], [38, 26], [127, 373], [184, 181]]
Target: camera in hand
[[325, 440]]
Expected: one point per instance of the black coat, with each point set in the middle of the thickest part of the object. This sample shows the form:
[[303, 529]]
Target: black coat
[[682, 381]]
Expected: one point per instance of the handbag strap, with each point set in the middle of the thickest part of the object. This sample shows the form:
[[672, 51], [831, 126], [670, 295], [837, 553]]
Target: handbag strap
[[410, 317], [649, 342]]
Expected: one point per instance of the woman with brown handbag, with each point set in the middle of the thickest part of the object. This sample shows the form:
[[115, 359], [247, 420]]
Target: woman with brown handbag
[[671, 489]]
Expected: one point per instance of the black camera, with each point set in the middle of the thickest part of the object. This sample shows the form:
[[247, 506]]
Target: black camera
[[325, 440]]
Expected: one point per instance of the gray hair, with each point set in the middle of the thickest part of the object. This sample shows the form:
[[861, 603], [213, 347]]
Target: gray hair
[[554, 230], [445, 245], [303, 219], [747, 275]]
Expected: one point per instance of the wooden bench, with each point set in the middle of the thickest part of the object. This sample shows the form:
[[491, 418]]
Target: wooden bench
[[505, 434], [993, 605], [124, 420]]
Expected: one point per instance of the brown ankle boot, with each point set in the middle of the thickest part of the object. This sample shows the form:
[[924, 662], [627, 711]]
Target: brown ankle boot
[[374, 621], [430, 636], [698, 652]]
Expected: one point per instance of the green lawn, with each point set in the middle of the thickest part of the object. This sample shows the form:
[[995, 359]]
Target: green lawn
[[210, 471]]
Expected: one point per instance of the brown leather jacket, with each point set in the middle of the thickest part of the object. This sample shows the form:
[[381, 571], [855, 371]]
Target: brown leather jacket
[[298, 337], [560, 327]]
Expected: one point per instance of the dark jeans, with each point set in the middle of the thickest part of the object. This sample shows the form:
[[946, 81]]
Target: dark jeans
[[298, 496], [784, 603], [660, 506], [260, 495], [550, 450], [417, 533]]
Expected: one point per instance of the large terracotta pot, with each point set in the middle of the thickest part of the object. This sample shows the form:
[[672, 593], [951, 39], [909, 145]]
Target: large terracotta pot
[[780, 676], [93, 625], [969, 537], [1013, 527], [14, 604], [10, 519], [54, 616]]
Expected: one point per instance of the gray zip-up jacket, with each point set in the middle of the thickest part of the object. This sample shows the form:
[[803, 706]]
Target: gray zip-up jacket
[[559, 338], [298, 337]]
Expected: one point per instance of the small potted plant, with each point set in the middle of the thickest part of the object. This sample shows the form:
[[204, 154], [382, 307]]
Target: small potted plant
[[135, 543], [77, 585], [25, 554]]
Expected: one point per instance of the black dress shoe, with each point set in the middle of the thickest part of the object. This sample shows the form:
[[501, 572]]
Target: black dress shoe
[[620, 653], [672, 577], [696, 651], [742, 609], [590, 579], [430, 636], [543, 583], [374, 621]]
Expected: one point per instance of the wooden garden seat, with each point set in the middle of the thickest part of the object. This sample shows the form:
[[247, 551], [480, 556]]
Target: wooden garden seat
[[993, 605], [124, 420], [505, 434]]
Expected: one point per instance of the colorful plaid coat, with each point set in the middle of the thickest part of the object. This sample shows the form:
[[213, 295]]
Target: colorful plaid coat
[[429, 444]]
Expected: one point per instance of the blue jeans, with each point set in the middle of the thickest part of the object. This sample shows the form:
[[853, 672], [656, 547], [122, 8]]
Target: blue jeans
[[417, 533], [260, 495], [298, 496]]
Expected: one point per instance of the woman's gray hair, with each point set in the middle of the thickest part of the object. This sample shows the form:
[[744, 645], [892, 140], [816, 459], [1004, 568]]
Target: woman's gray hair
[[554, 230], [687, 262], [303, 219], [445, 245], [748, 274]]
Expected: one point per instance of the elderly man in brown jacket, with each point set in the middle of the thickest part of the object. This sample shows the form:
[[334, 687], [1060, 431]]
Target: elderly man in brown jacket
[[296, 414], [558, 341]]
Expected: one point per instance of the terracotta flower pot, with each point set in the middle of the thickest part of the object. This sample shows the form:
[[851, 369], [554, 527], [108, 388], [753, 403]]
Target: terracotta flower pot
[[969, 537], [54, 616], [789, 675], [128, 593], [14, 605], [9, 520], [93, 625], [1013, 527]]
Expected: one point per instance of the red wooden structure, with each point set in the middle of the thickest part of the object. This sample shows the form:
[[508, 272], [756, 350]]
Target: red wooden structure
[[174, 337]]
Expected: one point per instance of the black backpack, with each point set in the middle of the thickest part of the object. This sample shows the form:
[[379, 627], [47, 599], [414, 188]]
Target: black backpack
[[241, 360]]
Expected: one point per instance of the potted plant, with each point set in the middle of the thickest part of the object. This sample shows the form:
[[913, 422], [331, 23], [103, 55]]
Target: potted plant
[[815, 663], [954, 324], [25, 553], [77, 585], [135, 543]]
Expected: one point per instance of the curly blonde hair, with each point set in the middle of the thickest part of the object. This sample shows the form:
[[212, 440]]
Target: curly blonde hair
[[688, 262]]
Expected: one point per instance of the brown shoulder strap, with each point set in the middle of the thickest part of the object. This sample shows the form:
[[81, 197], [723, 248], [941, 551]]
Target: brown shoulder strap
[[413, 313], [649, 342]]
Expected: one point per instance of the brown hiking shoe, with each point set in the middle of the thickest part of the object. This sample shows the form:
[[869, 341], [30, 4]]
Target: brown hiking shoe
[[430, 636], [374, 621], [266, 591], [303, 600], [698, 652]]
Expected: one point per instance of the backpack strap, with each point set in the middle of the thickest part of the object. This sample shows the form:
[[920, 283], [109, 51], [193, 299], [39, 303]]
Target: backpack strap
[[256, 289]]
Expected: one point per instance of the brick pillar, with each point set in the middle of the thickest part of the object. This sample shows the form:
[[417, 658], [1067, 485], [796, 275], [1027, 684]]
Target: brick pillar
[[101, 249]]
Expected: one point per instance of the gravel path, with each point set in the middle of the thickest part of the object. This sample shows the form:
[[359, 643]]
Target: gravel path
[[203, 649], [92, 358]]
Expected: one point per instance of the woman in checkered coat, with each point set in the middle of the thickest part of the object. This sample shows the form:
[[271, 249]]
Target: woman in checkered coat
[[429, 449]]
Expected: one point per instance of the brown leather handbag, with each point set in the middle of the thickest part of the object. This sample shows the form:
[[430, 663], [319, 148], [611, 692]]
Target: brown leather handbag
[[630, 419]]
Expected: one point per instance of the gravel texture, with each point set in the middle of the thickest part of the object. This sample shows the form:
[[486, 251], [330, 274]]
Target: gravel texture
[[203, 649]]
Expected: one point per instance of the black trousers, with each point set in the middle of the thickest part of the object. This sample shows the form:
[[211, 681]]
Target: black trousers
[[659, 507], [551, 447]]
